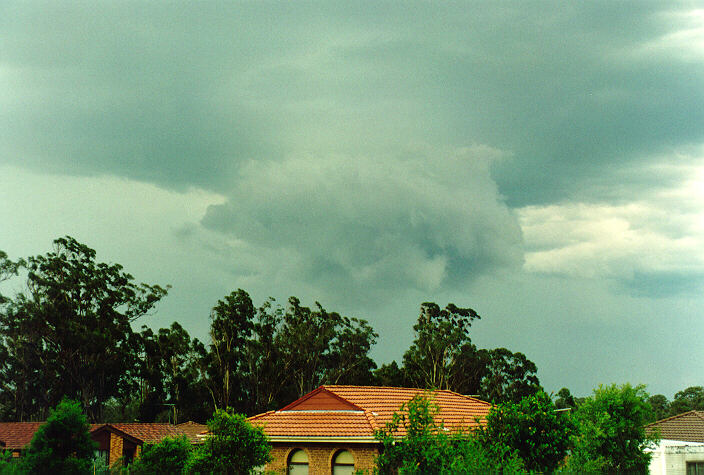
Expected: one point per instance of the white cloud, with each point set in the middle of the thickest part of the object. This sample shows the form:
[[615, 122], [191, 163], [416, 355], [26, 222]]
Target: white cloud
[[659, 232]]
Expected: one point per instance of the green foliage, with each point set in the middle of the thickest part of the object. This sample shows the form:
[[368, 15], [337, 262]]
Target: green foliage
[[70, 332], [390, 375], [660, 406], [412, 443], [8, 466], [171, 390], [565, 400], [442, 353], [233, 446], [63, 444], [171, 455], [611, 435], [689, 399], [532, 429], [508, 377]]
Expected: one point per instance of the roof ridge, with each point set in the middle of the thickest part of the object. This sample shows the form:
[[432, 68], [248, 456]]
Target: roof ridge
[[694, 411], [371, 419]]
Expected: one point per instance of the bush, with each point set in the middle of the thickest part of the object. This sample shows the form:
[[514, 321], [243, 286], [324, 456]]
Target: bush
[[531, 429], [233, 446], [63, 444], [168, 456], [427, 448], [612, 435]]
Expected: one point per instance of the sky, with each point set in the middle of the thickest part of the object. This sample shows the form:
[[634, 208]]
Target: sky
[[540, 162]]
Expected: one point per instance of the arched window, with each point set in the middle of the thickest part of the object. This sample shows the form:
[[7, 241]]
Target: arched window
[[343, 463], [298, 462]]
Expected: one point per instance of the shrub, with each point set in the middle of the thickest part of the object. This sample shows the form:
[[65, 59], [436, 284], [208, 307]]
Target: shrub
[[233, 446], [168, 456], [63, 444]]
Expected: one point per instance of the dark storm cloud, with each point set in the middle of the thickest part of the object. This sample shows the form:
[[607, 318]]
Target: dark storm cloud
[[270, 103]]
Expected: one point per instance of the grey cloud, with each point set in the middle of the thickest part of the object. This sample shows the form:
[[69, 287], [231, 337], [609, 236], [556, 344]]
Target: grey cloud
[[182, 95], [421, 220]]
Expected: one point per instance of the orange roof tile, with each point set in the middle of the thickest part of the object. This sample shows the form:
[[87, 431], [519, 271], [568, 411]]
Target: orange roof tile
[[687, 427], [376, 407], [17, 435], [192, 430], [148, 432]]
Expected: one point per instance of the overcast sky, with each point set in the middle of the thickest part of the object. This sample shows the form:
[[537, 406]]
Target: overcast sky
[[541, 162]]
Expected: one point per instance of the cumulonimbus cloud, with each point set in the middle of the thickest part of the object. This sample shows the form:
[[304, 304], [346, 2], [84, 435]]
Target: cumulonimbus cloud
[[421, 219]]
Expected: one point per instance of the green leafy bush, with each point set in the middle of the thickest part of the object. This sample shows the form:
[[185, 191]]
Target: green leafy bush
[[168, 456], [530, 428], [233, 446], [63, 444], [428, 448], [612, 435]]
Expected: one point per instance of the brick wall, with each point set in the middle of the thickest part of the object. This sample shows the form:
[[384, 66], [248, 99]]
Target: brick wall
[[115, 448], [320, 456]]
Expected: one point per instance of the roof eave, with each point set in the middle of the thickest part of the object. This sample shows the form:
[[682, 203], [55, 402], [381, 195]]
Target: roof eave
[[306, 438]]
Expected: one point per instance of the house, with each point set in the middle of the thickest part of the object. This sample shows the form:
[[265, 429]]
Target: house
[[681, 446], [115, 441], [331, 429]]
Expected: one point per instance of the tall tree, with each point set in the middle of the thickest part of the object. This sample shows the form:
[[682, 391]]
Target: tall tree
[[70, 331], [170, 376], [266, 379], [660, 405], [323, 347], [508, 377], [231, 326], [442, 354], [688, 399]]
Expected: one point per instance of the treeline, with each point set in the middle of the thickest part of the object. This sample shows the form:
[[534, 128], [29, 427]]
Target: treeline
[[69, 333]]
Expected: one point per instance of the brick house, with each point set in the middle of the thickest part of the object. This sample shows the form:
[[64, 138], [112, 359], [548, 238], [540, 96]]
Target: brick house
[[115, 441], [331, 429]]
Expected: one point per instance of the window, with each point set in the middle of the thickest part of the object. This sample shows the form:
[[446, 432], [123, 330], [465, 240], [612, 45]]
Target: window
[[343, 463], [298, 463], [695, 468]]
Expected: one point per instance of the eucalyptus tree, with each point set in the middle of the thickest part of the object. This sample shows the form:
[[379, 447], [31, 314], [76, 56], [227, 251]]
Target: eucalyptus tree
[[69, 332]]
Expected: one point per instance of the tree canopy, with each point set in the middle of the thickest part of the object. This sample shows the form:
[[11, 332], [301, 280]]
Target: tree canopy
[[69, 333]]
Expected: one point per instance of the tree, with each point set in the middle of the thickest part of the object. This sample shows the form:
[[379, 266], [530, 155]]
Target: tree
[[508, 377], [231, 326], [660, 406], [322, 347], [532, 429], [70, 333], [171, 455], [689, 399], [390, 375], [232, 447], [611, 431], [565, 400], [171, 387], [442, 355], [63, 444], [413, 443]]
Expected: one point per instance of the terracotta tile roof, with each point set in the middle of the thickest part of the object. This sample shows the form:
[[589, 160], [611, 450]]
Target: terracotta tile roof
[[688, 427], [148, 432], [17, 435], [192, 430], [367, 409]]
